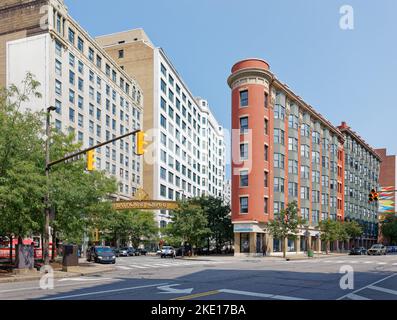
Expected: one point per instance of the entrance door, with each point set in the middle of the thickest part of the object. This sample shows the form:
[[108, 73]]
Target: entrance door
[[258, 243]]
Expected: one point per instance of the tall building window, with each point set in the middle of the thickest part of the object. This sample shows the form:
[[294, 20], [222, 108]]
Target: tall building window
[[292, 144], [71, 36], [91, 54], [163, 122], [305, 214], [244, 98], [163, 86], [244, 151], [71, 114], [293, 189], [279, 136], [121, 54], [58, 106], [244, 125], [279, 160], [316, 137], [80, 44], [279, 184], [244, 205], [266, 100], [279, 112], [293, 121], [305, 130], [58, 68], [293, 166], [305, 172], [305, 193], [163, 190], [266, 152], [244, 178], [266, 206], [305, 151], [266, 127], [266, 180]]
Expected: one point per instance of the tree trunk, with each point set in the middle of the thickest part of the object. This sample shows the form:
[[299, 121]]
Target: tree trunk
[[11, 240], [327, 247], [284, 248], [53, 244]]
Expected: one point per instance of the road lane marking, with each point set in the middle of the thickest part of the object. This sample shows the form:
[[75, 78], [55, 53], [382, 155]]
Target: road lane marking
[[381, 263], [137, 266], [368, 262], [105, 291], [259, 295], [84, 279], [390, 291], [371, 284], [353, 296], [198, 295]]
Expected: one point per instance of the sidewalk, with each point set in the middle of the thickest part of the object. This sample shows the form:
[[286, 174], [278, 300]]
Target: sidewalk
[[83, 269]]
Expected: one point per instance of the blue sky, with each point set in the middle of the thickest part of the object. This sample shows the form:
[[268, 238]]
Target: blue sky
[[346, 75]]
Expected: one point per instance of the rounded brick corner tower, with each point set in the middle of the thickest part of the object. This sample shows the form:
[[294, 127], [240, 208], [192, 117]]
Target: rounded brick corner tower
[[252, 156]]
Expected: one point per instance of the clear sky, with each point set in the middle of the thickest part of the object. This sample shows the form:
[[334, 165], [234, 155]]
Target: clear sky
[[346, 75]]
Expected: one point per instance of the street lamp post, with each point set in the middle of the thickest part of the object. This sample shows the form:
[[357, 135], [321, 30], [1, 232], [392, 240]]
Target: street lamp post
[[47, 196]]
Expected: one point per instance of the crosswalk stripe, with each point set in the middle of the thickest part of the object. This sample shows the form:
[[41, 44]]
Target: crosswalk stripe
[[353, 296], [368, 262], [137, 266], [390, 291], [124, 268], [394, 264]]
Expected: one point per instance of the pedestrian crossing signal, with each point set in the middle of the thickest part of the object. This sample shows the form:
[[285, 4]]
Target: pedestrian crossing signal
[[91, 160]]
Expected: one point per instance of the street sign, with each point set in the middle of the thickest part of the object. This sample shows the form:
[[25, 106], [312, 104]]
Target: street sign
[[145, 204]]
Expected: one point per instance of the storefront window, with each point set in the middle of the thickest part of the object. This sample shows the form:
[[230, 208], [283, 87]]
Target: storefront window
[[277, 245], [244, 242], [291, 245]]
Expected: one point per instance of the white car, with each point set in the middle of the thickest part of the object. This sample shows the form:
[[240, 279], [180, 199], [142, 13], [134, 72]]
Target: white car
[[377, 249]]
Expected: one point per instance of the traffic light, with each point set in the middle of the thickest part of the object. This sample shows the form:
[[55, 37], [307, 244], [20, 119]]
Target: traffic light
[[373, 196], [91, 160], [140, 143]]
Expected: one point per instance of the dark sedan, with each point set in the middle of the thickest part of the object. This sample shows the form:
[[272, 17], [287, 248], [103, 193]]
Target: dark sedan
[[359, 251], [101, 255]]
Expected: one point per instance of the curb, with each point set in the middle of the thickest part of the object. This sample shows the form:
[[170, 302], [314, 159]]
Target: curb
[[57, 275]]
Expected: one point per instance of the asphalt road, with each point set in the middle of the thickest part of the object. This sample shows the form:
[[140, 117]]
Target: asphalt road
[[225, 278]]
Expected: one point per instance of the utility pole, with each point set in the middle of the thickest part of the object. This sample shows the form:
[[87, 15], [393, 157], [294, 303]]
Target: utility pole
[[46, 242]]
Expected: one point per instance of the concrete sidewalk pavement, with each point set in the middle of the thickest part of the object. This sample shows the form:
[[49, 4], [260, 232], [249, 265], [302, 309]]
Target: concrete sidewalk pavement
[[83, 269]]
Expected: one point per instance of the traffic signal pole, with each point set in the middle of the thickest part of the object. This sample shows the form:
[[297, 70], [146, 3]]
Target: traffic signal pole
[[71, 156], [49, 165]]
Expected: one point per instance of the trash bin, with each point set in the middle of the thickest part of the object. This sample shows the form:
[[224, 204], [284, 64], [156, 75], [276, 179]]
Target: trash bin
[[310, 253], [70, 257]]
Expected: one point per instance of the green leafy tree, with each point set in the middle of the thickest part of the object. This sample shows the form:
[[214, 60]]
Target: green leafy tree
[[328, 232], [389, 228], [353, 229], [136, 226], [219, 221], [286, 224], [188, 224], [21, 162], [79, 199]]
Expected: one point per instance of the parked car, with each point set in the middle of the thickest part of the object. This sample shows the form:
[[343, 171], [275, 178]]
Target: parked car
[[101, 254], [358, 251], [122, 252], [377, 249], [141, 251], [168, 251], [131, 251]]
